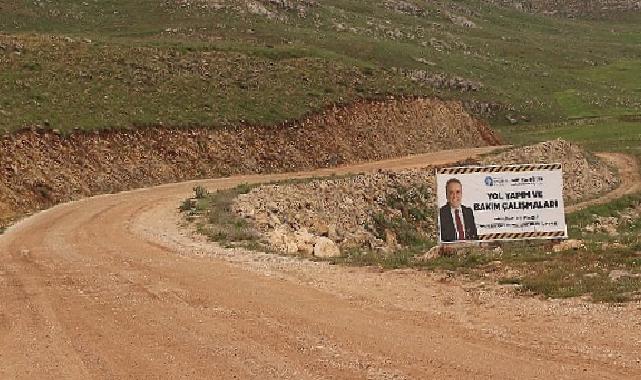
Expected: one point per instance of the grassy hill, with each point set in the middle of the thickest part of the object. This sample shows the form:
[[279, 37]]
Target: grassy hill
[[102, 64]]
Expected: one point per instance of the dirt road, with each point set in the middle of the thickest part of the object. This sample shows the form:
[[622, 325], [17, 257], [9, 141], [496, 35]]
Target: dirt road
[[629, 173], [108, 287]]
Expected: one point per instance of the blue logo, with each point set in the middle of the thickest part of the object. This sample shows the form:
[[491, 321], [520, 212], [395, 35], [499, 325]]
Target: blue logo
[[489, 181]]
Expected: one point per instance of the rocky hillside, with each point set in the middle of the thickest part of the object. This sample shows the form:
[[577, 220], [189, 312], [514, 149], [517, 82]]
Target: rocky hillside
[[39, 168], [572, 8], [388, 209]]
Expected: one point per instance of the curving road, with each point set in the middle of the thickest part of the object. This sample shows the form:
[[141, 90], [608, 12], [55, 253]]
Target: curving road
[[629, 174], [108, 287]]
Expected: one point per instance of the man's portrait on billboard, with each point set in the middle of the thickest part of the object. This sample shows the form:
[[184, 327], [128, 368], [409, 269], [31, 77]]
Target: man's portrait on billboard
[[456, 221]]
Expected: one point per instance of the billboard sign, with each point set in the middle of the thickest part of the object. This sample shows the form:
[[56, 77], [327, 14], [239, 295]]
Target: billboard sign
[[505, 202]]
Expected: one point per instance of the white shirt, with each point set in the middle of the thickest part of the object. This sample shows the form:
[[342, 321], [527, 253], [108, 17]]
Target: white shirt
[[460, 214]]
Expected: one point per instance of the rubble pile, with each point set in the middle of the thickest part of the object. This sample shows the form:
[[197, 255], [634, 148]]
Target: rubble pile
[[584, 176], [342, 209]]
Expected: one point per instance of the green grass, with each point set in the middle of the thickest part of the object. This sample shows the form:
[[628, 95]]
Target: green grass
[[621, 134], [579, 219], [212, 215], [223, 67], [586, 273]]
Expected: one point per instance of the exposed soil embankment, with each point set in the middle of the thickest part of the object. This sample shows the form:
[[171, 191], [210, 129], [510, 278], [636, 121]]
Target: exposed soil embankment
[[39, 168]]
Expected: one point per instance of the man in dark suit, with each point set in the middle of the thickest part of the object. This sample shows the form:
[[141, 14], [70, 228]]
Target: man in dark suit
[[456, 221]]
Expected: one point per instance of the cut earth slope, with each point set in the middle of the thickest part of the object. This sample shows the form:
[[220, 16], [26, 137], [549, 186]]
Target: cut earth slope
[[40, 168]]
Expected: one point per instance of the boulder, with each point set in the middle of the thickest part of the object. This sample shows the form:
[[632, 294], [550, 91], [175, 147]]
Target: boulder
[[325, 248], [291, 246], [276, 237], [304, 241]]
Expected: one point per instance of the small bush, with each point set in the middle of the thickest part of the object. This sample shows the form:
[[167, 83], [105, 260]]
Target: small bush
[[187, 205], [200, 192]]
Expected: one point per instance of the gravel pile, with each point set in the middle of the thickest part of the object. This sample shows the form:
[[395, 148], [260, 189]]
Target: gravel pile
[[357, 211], [584, 176], [342, 209]]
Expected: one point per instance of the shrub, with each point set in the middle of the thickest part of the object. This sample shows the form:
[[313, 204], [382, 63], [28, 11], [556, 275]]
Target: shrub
[[200, 192]]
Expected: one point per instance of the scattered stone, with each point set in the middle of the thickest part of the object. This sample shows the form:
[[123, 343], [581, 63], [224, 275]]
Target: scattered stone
[[462, 21], [425, 61], [612, 224], [441, 81], [617, 274], [511, 119], [405, 7], [615, 245], [567, 245], [571, 8]]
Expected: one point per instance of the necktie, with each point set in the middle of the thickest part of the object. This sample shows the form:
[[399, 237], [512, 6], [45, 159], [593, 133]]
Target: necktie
[[459, 225]]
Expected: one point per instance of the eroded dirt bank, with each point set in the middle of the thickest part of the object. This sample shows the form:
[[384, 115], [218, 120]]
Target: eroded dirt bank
[[40, 168]]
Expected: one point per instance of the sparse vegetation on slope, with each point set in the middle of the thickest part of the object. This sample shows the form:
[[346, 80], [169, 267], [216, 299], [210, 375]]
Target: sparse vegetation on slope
[[126, 63]]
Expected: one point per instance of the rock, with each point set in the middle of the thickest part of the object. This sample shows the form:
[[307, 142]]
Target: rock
[[320, 228], [307, 249], [616, 275], [303, 236], [291, 245], [614, 245], [571, 8], [432, 253], [276, 238], [442, 81], [325, 248], [332, 233], [304, 241], [511, 119], [462, 21], [405, 7], [390, 239], [566, 245]]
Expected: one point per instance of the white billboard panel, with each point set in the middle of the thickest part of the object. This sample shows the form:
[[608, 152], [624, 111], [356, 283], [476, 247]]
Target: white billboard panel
[[506, 202]]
